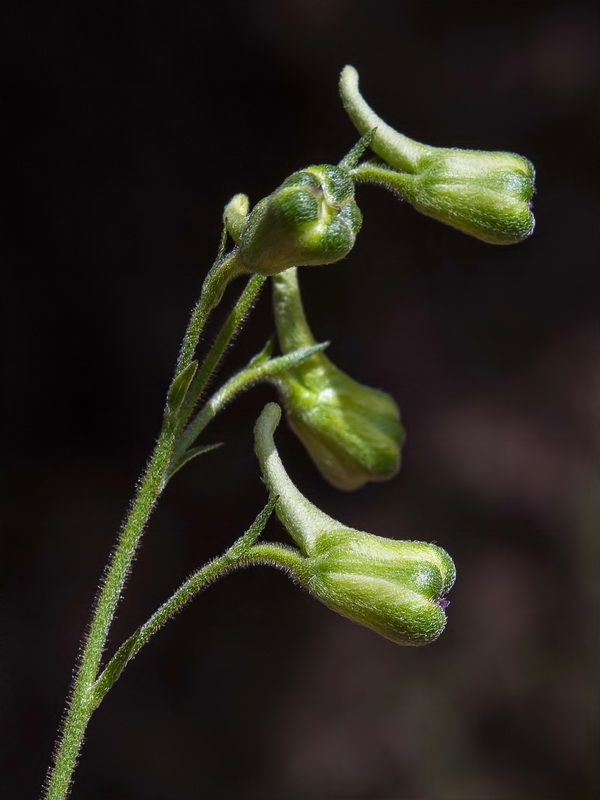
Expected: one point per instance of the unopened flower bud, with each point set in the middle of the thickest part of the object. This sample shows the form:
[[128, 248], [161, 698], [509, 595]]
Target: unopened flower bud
[[352, 432], [395, 588], [310, 219], [485, 194]]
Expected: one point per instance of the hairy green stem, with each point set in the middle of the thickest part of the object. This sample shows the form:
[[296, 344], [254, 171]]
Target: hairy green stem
[[275, 555], [131, 647], [234, 557], [229, 329], [222, 271], [380, 174], [242, 380], [267, 553], [82, 702]]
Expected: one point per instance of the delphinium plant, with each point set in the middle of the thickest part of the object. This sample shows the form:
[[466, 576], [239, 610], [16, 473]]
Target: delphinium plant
[[352, 432]]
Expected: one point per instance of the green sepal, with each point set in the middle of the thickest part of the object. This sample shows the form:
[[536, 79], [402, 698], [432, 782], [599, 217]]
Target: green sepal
[[193, 452], [179, 387]]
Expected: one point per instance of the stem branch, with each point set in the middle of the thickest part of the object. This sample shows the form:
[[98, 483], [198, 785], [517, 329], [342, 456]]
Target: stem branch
[[233, 558], [226, 334], [240, 381], [222, 271]]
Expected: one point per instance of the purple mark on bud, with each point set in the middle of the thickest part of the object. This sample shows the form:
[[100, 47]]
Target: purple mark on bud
[[442, 602]]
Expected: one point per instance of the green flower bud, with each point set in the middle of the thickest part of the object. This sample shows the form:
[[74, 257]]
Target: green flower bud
[[352, 432], [310, 219], [395, 588], [485, 194]]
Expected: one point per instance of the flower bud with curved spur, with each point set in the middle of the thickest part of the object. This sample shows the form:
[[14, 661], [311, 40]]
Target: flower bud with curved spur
[[395, 588], [352, 432], [484, 194], [311, 219]]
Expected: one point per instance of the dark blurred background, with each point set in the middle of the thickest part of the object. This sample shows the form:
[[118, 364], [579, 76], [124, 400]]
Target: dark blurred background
[[127, 128]]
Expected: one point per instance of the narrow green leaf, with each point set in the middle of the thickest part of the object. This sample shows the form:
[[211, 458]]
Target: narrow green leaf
[[192, 453], [245, 542], [179, 387], [264, 355], [114, 669], [352, 158], [289, 360]]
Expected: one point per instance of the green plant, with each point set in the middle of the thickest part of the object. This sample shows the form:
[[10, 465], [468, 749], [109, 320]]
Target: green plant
[[352, 432]]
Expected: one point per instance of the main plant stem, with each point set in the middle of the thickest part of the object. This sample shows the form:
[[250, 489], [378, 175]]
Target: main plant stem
[[82, 701]]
